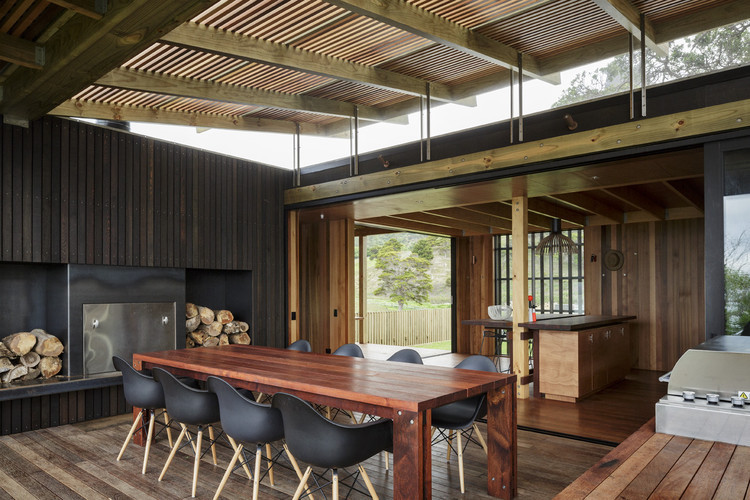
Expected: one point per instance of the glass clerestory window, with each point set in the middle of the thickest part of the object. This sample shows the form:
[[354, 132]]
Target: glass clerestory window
[[555, 281]]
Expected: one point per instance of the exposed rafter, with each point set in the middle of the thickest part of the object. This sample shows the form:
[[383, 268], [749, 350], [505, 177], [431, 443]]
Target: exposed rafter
[[442, 221], [89, 8], [585, 201], [685, 189], [475, 217], [202, 89], [79, 109], [84, 49], [417, 227], [197, 37], [412, 19], [555, 211], [638, 199], [22, 52], [629, 18]]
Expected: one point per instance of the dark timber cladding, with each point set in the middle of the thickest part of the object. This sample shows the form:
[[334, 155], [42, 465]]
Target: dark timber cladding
[[75, 193]]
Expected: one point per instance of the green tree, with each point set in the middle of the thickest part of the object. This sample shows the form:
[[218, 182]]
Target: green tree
[[402, 279], [711, 50]]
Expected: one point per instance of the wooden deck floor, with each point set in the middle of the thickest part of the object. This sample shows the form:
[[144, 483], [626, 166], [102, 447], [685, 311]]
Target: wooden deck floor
[[79, 461]]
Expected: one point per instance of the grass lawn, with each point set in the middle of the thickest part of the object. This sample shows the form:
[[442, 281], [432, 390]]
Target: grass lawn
[[445, 345]]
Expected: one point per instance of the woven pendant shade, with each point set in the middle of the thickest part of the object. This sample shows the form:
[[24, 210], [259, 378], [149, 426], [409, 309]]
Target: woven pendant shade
[[556, 242]]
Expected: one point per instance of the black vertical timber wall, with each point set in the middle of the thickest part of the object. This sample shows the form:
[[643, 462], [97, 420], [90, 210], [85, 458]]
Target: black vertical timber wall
[[75, 193]]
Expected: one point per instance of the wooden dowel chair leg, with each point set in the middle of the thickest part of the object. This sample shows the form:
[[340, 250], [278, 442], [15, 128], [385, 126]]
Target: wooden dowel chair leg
[[137, 420], [149, 439], [213, 444], [244, 465], [302, 484], [460, 453], [270, 463], [480, 438], [173, 452], [197, 463], [295, 465], [450, 442], [169, 429], [368, 483], [237, 452], [256, 481], [385, 457], [335, 492]]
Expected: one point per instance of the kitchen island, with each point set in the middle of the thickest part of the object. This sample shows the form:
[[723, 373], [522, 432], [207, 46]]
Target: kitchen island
[[576, 356]]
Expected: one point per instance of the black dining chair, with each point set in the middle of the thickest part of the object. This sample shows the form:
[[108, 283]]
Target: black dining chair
[[244, 421], [406, 356], [142, 391], [320, 442], [301, 345], [460, 417], [189, 406]]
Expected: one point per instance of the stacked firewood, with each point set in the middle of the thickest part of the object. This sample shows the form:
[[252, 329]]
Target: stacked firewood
[[208, 327], [28, 355]]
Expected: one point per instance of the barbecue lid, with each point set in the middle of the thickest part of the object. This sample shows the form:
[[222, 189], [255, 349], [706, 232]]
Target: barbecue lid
[[718, 366]]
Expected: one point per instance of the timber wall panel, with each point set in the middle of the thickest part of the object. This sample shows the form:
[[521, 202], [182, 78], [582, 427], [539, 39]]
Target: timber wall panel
[[474, 290], [71, 192], [661, 282]]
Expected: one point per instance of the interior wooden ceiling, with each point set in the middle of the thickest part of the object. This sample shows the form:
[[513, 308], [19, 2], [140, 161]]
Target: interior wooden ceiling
[[657, 187], [277, 64]]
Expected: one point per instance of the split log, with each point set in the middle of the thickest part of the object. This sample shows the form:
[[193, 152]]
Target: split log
[[189, 342], [30, 360], [206, 314], [191, 310], [240, 338], [49, 366], [46, 344], [192, 323], [17, 372], [213, 329], [243, 326], [224, 316], [20, 343], [32, 374], [232, 327], [7, 353], [223, 339], [198, 336], [211, 341], [5, 365]]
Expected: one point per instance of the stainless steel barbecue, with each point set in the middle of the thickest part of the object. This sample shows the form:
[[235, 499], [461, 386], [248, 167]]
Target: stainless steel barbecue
[[707, 393]]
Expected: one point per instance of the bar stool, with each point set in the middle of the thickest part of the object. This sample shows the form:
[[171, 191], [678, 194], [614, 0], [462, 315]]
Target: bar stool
[[500, 337]]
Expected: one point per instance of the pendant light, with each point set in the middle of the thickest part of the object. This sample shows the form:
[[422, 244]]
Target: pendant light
[[556, 242]]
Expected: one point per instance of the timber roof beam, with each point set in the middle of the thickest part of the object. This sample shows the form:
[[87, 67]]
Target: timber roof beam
[[412, 19], [277, 54], [202, 89]]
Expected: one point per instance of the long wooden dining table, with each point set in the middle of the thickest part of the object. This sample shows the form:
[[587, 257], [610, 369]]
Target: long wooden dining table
[[404, 392]]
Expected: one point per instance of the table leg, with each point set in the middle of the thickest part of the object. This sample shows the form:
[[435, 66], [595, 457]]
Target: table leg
[[412, 456], [502, 458]]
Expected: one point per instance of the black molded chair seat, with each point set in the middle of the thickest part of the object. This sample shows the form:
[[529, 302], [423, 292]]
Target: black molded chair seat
[[352, 350], [318, 441], [189, 406], [142, 391], [461, 415], [406, 356], [301, 345]]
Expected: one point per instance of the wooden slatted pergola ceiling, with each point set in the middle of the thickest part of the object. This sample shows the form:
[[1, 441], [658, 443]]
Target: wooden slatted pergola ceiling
[[276, 65], [273, 64]]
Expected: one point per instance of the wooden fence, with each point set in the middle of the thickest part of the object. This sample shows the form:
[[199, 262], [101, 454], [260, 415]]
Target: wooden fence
[[407, 328]]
